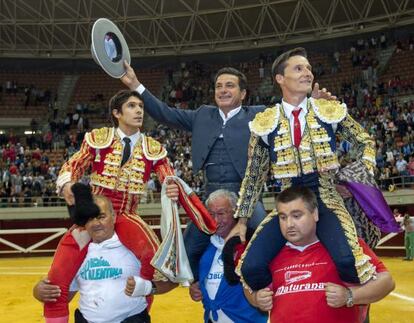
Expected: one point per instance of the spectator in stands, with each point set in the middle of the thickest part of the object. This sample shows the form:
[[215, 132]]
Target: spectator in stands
[[16, 181], [75, 118], [336, 62], [3, 197], [373, 42], [81, 124], [406, 149], [13, 169], [319, 70], [390, 155], [383, 41], [151, 188], [34, 125], [37, 154], [47, 141], [27, 194], [410, 166], [398, 47], [397, 215], [408, 223], [20, 150], [9, 86], [401, 165], [67, 122]]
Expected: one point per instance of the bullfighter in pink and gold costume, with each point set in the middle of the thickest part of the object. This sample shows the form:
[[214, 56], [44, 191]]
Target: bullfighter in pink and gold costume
[[120, 161]]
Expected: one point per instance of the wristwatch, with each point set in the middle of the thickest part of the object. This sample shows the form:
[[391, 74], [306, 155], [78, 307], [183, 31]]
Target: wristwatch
[[350, 298]]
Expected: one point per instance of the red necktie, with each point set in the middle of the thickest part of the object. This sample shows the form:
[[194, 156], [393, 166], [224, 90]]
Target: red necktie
[[297, 135]]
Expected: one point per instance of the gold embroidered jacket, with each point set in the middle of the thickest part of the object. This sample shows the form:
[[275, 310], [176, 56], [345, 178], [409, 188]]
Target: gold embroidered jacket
[[101, 152], [316, 153]]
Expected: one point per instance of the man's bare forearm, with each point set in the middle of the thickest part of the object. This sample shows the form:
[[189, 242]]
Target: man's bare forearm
[[164, 286], [374, 290]]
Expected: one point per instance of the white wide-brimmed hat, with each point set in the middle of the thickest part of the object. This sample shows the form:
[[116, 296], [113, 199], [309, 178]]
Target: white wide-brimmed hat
[[109, 48]]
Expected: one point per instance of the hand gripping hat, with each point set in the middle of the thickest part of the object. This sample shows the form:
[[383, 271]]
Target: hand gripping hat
[[85, 208], [232, 252], [109, 48]]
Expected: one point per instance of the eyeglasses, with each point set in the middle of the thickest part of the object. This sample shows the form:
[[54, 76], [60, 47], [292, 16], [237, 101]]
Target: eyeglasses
[[220, 213]]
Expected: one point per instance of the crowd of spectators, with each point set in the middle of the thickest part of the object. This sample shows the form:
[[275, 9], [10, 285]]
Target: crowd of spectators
[[30, 94], [373, 102], [28, 176]]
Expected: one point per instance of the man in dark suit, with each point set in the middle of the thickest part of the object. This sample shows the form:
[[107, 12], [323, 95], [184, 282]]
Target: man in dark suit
[[220, 139]]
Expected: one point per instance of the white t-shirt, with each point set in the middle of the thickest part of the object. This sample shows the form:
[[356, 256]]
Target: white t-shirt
[[215, 275], [101, 282]]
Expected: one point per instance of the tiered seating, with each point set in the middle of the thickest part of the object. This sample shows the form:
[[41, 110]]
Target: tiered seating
[[333, 82], [13, 105], [55, 157], [91, 84], [401, 64]]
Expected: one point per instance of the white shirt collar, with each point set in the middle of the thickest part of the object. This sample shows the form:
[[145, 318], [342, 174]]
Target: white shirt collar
[[300, 248], [134, 138], [230, 115], [112, 242], [289, 108]]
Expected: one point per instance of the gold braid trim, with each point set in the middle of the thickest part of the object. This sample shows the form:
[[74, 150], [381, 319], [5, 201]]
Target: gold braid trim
[[153, 150], [329, 111], [286, 183], [158, 276], [325, 158], [100, 138], [269, 217], [287, 163], [78, 163], [265, 122], [334, 202], [360, 139], [256, 174], [163, 169]]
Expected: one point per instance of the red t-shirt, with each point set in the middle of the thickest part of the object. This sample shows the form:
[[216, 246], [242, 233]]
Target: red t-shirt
[[298, 285]]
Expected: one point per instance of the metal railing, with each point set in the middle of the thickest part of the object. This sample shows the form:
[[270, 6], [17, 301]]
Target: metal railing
[[389, 184], [6, 202], [35, 248]]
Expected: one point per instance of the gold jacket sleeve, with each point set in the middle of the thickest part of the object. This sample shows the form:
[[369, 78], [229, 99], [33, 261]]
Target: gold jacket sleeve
[[353, 132], [254, 179], [79, 162]]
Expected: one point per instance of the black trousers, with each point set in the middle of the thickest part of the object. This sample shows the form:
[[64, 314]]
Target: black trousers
[[142, 317], [269, 241]]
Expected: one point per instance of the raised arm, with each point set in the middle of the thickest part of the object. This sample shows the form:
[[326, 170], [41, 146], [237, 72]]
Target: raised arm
[[160, 111]]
